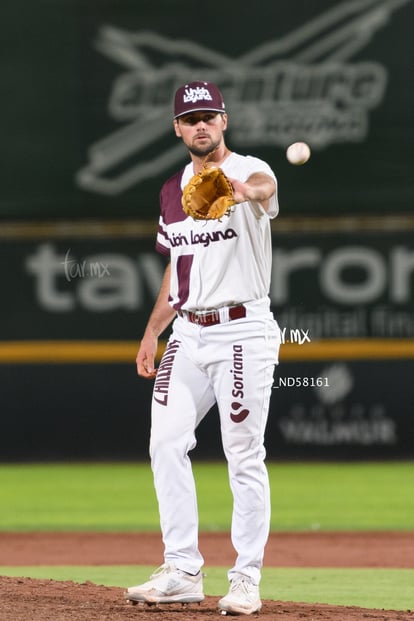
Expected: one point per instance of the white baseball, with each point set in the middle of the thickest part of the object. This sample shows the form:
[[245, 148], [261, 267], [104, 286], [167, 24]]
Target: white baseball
[[298, 153]]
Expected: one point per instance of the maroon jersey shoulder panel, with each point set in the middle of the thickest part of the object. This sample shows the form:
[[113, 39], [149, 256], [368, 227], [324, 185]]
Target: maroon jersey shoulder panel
[[162, 249], [170, 200]]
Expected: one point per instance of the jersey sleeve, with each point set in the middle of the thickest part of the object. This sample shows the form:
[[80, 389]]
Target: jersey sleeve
[[257, 165], [162, 243], [171, 211]]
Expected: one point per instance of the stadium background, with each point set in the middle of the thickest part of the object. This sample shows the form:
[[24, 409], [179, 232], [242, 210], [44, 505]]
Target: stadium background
[[87, 143]]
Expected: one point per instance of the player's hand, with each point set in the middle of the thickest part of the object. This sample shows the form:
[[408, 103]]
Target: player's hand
[[146, 357], [240, 190]]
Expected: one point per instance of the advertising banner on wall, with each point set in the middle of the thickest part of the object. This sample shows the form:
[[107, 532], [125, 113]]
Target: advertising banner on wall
[[326, 409], [76, 299], [354, 285], [97, 283], [89, 87], [341, 408]]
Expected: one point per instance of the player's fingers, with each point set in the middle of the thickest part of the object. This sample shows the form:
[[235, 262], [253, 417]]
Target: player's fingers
[[233, 183], [145, 368], [149, 373], [238, 187]]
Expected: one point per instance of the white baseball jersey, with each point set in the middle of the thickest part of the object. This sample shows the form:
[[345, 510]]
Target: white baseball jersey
[[216, 263]]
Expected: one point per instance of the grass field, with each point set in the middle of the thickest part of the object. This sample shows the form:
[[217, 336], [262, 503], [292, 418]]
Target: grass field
[[305, 496], [120, 497]]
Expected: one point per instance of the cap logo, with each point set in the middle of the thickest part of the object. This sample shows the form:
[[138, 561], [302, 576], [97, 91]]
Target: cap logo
[[196, 94]]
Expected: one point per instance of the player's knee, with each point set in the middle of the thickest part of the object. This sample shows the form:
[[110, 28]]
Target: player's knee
[[170, 448]]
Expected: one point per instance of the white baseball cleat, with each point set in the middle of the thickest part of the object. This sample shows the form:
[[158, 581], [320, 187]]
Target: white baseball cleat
[[243, 597], [168, 585]]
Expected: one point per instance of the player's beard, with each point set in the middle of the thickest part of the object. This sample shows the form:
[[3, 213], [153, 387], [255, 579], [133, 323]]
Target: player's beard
[[205, 150]]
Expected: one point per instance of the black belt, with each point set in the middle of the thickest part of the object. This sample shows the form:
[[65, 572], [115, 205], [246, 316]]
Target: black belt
[[212, 318]]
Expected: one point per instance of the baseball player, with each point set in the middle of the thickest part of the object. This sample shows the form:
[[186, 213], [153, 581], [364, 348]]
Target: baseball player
[[223, 348]]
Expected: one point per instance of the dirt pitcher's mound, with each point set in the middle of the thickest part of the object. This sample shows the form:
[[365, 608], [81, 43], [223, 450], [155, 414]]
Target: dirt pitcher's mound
[[25, 599], [329, 549]]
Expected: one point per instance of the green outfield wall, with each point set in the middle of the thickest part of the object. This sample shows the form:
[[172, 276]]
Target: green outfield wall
[[76, 297], [88, 85], [87, 141]]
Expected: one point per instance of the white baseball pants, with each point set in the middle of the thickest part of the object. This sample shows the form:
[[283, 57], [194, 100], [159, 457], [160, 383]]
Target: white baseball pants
[[232, 364]]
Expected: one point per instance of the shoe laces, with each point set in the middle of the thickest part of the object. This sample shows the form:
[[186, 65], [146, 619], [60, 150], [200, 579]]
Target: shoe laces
[[242, 583], [165, 568]]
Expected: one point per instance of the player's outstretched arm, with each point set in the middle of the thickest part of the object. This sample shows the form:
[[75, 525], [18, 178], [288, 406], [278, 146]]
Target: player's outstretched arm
[[160, 318], [259, 187]]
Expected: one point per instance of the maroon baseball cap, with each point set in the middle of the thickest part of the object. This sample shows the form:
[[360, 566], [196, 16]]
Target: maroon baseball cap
[[198, 96]]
